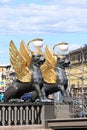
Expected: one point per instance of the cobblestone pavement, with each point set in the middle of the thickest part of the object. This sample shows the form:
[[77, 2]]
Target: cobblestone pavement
[[24, 127]]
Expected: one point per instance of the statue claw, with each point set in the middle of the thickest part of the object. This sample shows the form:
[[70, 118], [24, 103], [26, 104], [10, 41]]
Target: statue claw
[[43, 100], [46, 100]]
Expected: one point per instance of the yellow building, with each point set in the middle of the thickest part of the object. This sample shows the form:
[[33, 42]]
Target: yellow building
[[77, 71], [4, 74]]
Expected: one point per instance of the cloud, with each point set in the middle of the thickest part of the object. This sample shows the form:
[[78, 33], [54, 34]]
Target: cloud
[[67, 2], [4, 1], [48, 18], [1, 52], [73, 47]]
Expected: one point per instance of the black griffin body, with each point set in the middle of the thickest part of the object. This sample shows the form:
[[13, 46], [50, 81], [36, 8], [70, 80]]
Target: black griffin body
[[17, 88], [61, 82]]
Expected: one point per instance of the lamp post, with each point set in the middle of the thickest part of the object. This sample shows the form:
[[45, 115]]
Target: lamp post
[[37, 42], [63, 47], [82, 55]]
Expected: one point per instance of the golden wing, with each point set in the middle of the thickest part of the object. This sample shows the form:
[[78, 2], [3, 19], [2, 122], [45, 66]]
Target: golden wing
[[48, 67], [39, 51], [19, 64], [25, 53]]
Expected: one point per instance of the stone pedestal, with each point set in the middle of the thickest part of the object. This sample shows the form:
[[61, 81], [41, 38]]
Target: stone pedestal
[[48, 112], [63, 111]]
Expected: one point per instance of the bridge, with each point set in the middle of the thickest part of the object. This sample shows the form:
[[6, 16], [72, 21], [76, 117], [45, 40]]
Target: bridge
[[39, 116]]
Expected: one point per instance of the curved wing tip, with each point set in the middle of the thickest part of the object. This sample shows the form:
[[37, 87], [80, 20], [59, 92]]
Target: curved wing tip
[[11, 42], [22, 42]]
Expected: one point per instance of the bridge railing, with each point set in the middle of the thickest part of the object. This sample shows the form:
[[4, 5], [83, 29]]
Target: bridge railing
[[25, 113], [20, 113]]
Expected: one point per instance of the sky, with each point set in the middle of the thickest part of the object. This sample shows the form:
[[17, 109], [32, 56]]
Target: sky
[[54, 21]]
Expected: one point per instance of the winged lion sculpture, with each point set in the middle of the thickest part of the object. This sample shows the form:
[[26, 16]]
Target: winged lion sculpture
[[54, 76], [27, 70], [48, 74]]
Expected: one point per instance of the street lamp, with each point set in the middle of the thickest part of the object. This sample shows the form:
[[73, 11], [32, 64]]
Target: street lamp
[[82, 70], [63, 47], [37, 43]]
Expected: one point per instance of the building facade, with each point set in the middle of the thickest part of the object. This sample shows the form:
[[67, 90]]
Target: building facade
[[4, 76], [77, 71]]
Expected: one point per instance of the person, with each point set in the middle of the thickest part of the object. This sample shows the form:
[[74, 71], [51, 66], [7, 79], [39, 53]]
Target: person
[[81, 105], [3, 75], [2, 97], [58, 97]]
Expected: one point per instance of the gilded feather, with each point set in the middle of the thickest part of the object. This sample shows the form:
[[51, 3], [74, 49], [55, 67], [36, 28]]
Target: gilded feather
[[25, 53], [19, 63], [48, 67]]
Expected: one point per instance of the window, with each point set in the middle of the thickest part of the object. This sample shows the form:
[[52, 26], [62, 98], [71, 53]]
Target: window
[[85, 56]]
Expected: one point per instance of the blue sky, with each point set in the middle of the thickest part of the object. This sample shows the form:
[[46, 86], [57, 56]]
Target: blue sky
[[52, 20]]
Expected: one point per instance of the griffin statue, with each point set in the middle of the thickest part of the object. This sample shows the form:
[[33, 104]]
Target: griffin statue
[[54, 74], [39, 73], [28, 73]]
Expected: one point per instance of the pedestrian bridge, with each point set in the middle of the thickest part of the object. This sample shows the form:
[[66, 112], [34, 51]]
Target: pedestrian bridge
[[47, 115]]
